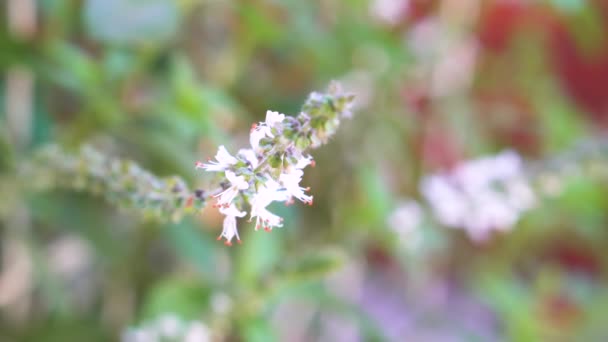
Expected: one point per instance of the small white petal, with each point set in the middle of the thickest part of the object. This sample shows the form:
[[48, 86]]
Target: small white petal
[[224, 157], [291, 181], [232, 211], [250, 156], [303, 162], [223, 161], [273, 118], [255, 136], [229, 229], [237, 181]]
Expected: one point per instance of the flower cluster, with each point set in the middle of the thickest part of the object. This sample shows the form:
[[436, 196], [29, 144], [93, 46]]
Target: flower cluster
[[480, 195], [271, 169]]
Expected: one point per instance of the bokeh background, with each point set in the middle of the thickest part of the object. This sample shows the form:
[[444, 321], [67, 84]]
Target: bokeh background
[[438, 83]]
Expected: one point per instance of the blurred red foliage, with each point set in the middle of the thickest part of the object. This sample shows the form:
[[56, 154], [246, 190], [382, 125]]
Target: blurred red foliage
[[583, 78], [498, 23]]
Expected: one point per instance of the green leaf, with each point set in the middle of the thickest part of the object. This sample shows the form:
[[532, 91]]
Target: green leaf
[[185, 298], [313, 266], [258, 330], [259, 253], [193, 246]]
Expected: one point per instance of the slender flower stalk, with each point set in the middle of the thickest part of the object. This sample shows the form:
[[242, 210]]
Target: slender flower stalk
[[270, 170], [122, 182]]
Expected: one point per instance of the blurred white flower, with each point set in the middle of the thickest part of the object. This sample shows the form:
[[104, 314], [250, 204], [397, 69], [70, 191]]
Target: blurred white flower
[[168, 327], [481, 195], [140, 335], [406, 221], [406, 218], [197, 332], [389, 12], [224, 161]]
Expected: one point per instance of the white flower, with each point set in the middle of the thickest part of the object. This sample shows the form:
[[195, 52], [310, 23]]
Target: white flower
[[273, 118], [236, 183], [266, 219], [140, 335], [304, 162], [316, 97], [224, 160], [267, 193], [197, 332], [230, 230], [389, 12], [264, 129], [447, 202], [291, 181], [250, 156], [258, 132], [169, 325], [481, 195]]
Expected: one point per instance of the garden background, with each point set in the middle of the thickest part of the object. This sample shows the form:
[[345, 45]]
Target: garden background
[[153, 86]]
